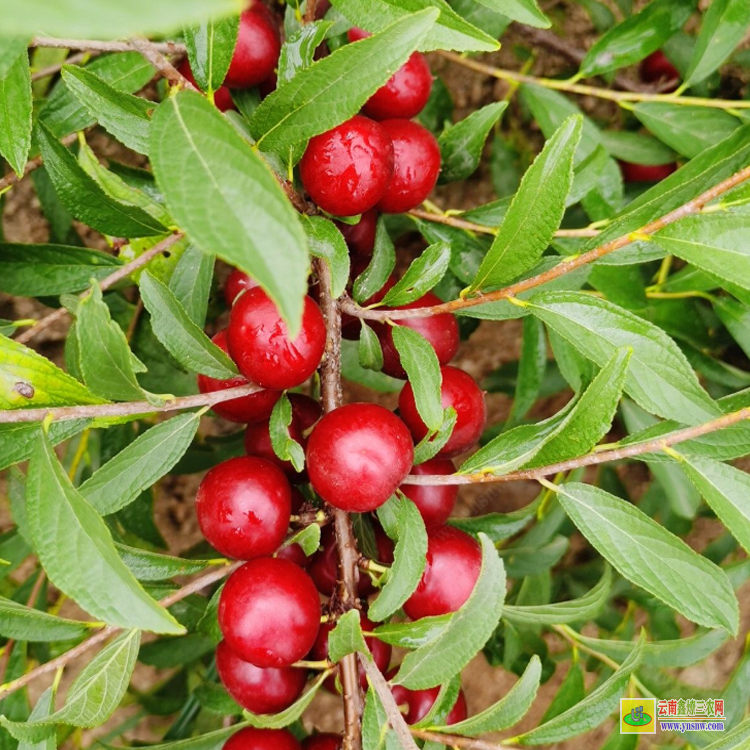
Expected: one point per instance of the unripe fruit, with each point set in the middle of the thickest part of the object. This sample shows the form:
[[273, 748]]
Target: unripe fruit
[[360, 237], [262, 691], [260, 344], [243, 507], [262, 739], [440, 330], [222, 95], [257, 51], [419, 702], [322, 742], [269, 612], [434, 502], [236, 283], [459, 391], [245, 409], [646, 173], [358, 455], [454, 560], [346, 171], [416, 166], [656, 68]]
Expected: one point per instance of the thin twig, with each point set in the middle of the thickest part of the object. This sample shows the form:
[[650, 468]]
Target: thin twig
[[452, 740], [50, 70], [153, 54], [311, 10], [166, 48], [688, 209]]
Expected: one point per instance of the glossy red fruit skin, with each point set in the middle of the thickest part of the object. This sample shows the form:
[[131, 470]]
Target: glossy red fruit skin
[[222, 95], [646, 173], [322, 742], [416, 166], [262, 739], [436, 502], [260, 345], [346, 171], [246, 409], [452, 568], [305, 413], [419, 703], [656, 68], [360, 237], [358, 455], [459, 391], [294, 554], [262, 691], [440, 330], [236, 283], [243, 507], [258, 46], [269, 612]]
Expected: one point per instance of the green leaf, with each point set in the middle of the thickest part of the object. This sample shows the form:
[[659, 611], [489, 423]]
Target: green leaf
[[27, 624], [734, 740], [122, 115], [325, 241], [191, 282], [45, 705], [151, 566], [182, 338], [15, 105], [334, 88], [422, 368], [90, 19], [421, 276], [413, 635], [723, 28], [49, 270], [637, 148], [10, 50], [381, 266], [532, 367], [409, 558], [17, 440], [465, 634], [206, 170], [28, 380], [535, 213], [651, 557], [376, 731], [370, 350], [95, 576], [283, 444], [572, 690], [511, 708], [523, 11], [352, 371], [346, 638], [298, 52], [449, 32], [498, 526], [210, 46], [289, 715], [637, 36], [590, 712], [585, 608], [659, 377], [461, 145], [431, 444], [307, 538]]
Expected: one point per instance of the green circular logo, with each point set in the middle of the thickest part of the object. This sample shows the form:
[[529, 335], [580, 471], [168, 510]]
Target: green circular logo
[[643, 720]]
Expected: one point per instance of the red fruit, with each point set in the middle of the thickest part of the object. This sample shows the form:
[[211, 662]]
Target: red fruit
[[260, 345], [459, 391], [245, 409], [645, 172], [305, 413], [237, 282], [451, 570], [294, 554], [257, 51], [262, 739], [347, 170], [269, 612], [440, 330], [298, 499], [360, 237], [358, 455], [434, 502], [419, 703], [322, 742], [222, 95], [656, 68], [262, 691], [416, 165], [381, 652], [243, 507]]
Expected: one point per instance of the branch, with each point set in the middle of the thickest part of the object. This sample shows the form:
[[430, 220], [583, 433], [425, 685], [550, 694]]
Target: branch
[[54, 664], [165, 68], [688, 209], [166, 48], [591, 459], [50, 70], [452, 740]]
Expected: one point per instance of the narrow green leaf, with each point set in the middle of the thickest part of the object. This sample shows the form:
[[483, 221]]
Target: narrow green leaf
[[325, 241], [298, 52], [370, 350], [210, 46], [95, 577], [307, 538], [531, 369], [191, 282], [45, 705], [734, 740], [376, 731], [421, 276], [15, 107], [289, 715], [283, 444], [381, 266], [498, 526], [651, 557], [151, 566], [207, 170], [346, 638], [571, 691], [638, 148], [413, 635], [536, 211], [432, 443], [26, 624], [523, 11]]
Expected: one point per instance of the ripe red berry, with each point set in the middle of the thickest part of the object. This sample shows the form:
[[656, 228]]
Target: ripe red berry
[[454, 560], [322, 742], [346, 171], [269, 612], [243, 507], [358, 455], [646, 173], [294, 553], [459, 391], [260, 345], [360, 237], [656, 68], [262, 691], [440, 330], [262, 739], [237, 282], [434, 502], [416, 165], [305, 413], [257, 51], [244, 409], [381, 652], [222, 95], [419, 702]]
